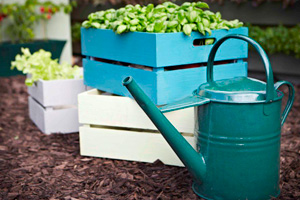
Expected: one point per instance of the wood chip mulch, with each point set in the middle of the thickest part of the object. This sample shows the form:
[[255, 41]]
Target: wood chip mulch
[[38, 166]]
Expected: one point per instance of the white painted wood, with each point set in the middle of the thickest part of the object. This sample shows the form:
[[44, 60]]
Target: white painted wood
[[128, 145], [57, 92], [60, 119], [107, 110]]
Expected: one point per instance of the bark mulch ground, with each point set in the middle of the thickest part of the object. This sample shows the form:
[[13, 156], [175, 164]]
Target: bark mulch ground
[[38, 166]]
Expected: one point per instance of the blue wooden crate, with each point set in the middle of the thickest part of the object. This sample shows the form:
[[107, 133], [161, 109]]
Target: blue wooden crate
[[159, 49], [161, 86], [161, 52]]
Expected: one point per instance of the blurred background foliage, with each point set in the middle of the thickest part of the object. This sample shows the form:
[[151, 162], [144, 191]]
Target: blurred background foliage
[[285, 3], [278, 39]]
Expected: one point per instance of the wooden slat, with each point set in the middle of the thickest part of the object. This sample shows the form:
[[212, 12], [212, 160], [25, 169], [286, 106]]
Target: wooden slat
[[128, 145], [119, 111], [53, 120], [57, 92], [176, 84], [159, 49], [162, 87]]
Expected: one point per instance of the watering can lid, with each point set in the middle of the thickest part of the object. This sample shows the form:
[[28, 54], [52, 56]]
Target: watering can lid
[[239, 89]]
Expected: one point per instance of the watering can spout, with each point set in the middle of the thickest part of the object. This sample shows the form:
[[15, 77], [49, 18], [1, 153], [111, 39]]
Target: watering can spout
[[193, 160]]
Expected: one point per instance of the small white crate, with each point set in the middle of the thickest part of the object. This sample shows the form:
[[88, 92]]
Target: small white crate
[[57, 92], [53, 105], [116, 127], [54, 119]]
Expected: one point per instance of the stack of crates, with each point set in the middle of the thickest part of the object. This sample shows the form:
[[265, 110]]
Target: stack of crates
[[167, 66]]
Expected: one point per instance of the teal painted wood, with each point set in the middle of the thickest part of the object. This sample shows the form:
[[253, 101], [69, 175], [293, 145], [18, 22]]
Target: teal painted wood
[[108, 77], [161, 86], [159, 49]]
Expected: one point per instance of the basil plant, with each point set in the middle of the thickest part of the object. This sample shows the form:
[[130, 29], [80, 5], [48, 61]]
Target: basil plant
[[163, 18]]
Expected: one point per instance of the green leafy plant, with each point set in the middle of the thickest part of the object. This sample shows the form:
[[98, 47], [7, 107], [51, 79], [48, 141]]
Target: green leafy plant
[[75, 29], [256, 3], [278, 39], [40, 66], [163, 18], [22, 18]]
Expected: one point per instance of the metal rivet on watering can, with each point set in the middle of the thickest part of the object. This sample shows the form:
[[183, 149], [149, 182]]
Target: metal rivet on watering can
[[238, 123]]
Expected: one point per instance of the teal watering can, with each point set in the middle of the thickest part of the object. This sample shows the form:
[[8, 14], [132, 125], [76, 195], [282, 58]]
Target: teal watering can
[[238, 124]]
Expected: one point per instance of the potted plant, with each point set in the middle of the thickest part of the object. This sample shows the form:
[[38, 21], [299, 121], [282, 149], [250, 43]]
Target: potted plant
[[53, 90], [18, 21], [164, 47]]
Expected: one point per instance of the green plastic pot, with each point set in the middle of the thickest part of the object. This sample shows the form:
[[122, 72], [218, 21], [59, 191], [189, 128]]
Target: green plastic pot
[[8, 52]]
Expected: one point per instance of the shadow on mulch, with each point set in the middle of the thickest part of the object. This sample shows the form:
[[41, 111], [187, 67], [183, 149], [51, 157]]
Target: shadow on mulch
[[38, 166]]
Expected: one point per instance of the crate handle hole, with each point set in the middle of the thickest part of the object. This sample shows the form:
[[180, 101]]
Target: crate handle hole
[[204, 41]]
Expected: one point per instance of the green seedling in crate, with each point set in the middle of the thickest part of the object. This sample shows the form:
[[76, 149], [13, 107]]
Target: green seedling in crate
[[40, 65], [164, 18]]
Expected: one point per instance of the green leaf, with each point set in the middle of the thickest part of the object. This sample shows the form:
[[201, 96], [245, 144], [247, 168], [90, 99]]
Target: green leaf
[[205, 22], [191, 16], [95, 25], [149, 7], [209, 41], [187, 29], [200, 28], [179, 27], [133, 28], [158, 26], [86, 24], [121, 29], [150, 28], [213, 25], [172, 24], [131, 15], [134, 22], [218, 15], [193, 27], [201, 5], [207, 30]]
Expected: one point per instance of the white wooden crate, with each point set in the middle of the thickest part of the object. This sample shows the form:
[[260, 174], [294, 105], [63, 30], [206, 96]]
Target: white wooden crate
[[57, 92], [54, 119], [53, 105], [119, 111], [116, 127], [132, 145]]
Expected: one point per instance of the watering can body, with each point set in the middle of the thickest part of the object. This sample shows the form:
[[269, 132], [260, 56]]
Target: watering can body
[[237, 127], [241, 149]]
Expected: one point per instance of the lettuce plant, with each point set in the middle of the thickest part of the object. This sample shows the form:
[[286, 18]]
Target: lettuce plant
[[39, 65], [164, 18]]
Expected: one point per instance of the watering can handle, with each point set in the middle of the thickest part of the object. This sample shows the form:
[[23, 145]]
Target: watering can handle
[[290, 99], [262, 53]]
